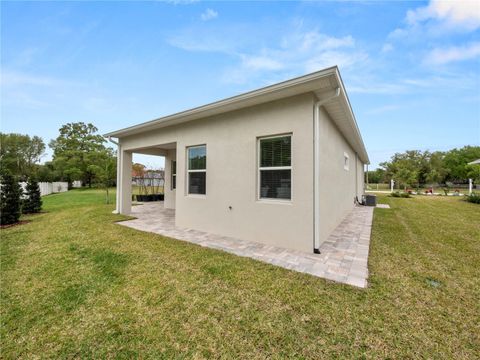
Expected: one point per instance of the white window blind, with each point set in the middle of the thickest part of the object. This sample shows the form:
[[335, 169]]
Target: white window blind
[[197, 169], [275, 167]]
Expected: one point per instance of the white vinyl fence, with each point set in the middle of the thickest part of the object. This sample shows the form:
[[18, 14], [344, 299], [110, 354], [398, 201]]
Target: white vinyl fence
[[47, 188]]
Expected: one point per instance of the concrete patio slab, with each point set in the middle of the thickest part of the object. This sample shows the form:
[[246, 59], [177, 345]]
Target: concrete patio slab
[[343, 257], [383, 206]]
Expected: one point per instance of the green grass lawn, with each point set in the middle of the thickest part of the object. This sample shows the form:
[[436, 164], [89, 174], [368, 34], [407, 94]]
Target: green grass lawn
[[76, 285]]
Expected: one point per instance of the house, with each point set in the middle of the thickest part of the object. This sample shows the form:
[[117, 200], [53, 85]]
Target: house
[[281, 165], [148, 177]]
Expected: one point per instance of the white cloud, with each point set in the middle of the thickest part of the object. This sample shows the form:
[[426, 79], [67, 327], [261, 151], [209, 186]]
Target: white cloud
[[441, 56], [438, 19], [295, 53], [10, 78], [261, 63], [383, 109], [209, 14], [207, 45], [298, 53], [313, 40], [28, 90], [182, 2], [460, 13], [24, 100], [374, 87], [331, 58], [387, 48], [398, 33]]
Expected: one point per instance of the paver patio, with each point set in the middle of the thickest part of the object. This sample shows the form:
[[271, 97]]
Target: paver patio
[[343, 257]]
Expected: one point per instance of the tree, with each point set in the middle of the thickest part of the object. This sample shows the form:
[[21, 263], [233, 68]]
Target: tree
[[456, 161], [138, 170], [416, 167], [10, 193], [473, 172], [33, 201], [71, 150], [20, 153], [104, 167], [376, 176], [406, 168], [46, 172], [406, 176], [436, 170]]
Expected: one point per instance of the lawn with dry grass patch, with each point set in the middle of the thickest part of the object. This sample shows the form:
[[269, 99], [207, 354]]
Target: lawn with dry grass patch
[[75, 284]]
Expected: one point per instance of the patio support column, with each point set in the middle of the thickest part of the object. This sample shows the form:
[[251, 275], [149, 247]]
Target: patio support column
[[124, 182], [117, 188]]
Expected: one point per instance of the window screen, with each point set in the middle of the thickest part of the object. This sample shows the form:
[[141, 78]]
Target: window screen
[[197, 169], [174, 174], [275, 171]]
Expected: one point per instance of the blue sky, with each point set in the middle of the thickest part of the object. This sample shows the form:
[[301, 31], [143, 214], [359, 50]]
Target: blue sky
[[411, 69]]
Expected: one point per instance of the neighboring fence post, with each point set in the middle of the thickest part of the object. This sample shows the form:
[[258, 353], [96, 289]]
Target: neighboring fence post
[[392, 182], [470, 186]]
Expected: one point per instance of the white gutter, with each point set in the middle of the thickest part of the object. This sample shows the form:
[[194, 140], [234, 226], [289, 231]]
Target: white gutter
[[299, 85], [316, 177], [118, 188], [112, 141]]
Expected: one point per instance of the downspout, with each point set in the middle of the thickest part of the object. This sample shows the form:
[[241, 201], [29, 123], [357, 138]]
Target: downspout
[[117, 192], [356, 178], [113, 141], [367, 177], [316, 177]]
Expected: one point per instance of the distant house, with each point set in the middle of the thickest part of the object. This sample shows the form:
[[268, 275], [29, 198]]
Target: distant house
[[281, 165], [148, 177]]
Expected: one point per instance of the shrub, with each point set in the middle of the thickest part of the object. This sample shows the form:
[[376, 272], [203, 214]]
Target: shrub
[[10, 193], [474, 198], [400, 194], [33, 202]]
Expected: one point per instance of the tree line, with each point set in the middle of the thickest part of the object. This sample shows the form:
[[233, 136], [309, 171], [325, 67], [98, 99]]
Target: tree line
[[79, 153], [415, 168]]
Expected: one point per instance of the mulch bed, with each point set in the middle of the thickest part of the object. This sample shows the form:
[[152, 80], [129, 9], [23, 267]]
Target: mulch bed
[[38, 213], [21, 222]]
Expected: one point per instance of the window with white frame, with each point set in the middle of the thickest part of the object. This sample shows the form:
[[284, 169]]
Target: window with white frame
[[197, 169], [174, 174], [275, 167], [346, 161]]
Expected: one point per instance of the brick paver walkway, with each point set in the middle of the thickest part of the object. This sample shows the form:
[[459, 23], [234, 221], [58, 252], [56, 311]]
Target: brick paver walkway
[[343, 258]]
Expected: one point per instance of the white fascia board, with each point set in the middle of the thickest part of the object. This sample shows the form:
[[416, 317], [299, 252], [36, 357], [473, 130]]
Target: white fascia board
[[299, 85], [318, 82]]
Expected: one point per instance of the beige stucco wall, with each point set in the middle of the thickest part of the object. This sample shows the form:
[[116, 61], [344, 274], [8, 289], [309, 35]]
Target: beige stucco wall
[[360, 179], [338, 187], [231, 141], [170, 194]]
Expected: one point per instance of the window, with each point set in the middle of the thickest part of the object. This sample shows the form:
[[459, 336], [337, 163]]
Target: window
[[197, 169], [275, 167], [174, 174], [346, 161]]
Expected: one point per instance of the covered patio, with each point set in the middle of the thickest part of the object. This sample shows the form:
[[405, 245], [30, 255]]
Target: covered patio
[[343, 257], [124, 174]]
